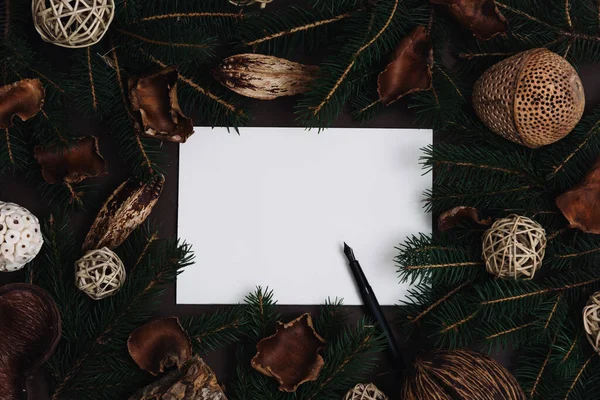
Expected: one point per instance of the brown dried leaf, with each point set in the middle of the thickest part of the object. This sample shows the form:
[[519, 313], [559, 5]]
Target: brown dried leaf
[[410, 69], [291, 355], [481, 17], [72, 164], [154, 102], [581, 204], [451, 218], [127, 208], [24, 98]]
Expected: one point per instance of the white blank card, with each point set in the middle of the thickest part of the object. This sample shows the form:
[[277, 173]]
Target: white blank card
[[273, 206]]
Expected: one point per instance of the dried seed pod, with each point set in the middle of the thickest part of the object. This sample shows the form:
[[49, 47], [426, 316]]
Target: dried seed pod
[[81, 159], [128, 206], [24, 98], [451, 218], [579, 204], [156, 108], [291, 355], [264, 77], [159, 344], [481, 17], [410, 70], [30, 329]]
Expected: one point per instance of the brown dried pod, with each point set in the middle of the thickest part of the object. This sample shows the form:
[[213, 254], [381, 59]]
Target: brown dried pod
[[481, 17], [579, 204], [23, 98], [291, 355], [451, 218], [193, 381], [79, 160], [461, 374], [127, 208], [264, 77], [410, 69], [156, 108], [159, 344], [30, 329]]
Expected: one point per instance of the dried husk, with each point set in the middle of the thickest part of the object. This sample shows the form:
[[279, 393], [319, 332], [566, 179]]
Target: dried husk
[[481, 17], [264, 77], [23, 98], [156, 108], [451, 218], [30, 329], [79, 160], [159, 344], [127, 208], [581, 204], [410, 69], [292, 354]]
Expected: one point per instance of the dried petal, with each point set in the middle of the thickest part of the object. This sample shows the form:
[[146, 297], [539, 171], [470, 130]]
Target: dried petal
[[291, 355], [72, 164], [581, 204], [451, 218], [159, 344], [154, 98], [24, 98], [30, 329], [128, 206], [481, 17], [410, 69]]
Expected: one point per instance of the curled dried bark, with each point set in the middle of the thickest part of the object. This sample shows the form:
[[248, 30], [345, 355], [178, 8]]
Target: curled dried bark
[[451, 218], [24, 98], [581, 204], [481, 17], [81, 159], [410, 69]]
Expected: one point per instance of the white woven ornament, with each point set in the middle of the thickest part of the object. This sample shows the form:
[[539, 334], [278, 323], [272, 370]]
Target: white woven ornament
[[100, 273], [591, 321], [245, 3], [20, 237], [365, 391], [72, 23]]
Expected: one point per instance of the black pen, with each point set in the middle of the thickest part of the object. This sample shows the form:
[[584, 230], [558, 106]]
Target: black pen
[[372, 305]]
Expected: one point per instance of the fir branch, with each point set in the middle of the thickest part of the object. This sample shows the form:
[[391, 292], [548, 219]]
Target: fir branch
[[576, 381], [169, 43], [212, 331], [179, 15]]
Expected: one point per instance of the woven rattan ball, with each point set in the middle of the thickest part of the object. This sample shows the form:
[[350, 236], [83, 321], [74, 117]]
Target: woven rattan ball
[[365, 391], [72, 23], [100, 273], [514, 247], [591, 321], [533, 98]]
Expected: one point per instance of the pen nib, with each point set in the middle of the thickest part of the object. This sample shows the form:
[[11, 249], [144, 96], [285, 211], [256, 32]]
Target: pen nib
[[349, 253]]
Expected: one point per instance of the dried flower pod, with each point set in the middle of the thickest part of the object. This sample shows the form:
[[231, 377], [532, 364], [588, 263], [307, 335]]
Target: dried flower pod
[[159, 344], [291, 355], [24, 98], [410, 69], [30, 329], [128, 206], [481, 17], [81, 159], [156, 108], [451, 218], [579, 204], [264, 77]]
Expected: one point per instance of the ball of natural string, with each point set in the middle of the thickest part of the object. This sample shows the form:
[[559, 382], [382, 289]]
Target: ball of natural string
[[365, 391], [591, 321], [72, 23], [514, 247], [244, 3], [100, 273]]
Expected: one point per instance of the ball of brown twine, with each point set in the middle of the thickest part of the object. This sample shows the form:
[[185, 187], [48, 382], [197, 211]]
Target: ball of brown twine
[[514, 247], [100, 273], [365, 391], [591, 321], [244, 3], [72, 23]]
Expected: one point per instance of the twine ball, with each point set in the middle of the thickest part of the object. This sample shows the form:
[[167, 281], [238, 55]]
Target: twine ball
[[100, 273], [533, 98], [72, 23], [591, 321], [514, 247], [365, 391]]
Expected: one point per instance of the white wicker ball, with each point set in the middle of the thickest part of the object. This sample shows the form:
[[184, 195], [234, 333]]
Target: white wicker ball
[[591, 321], [20, 237], [100, 273], [365, 391], [72, 23]]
